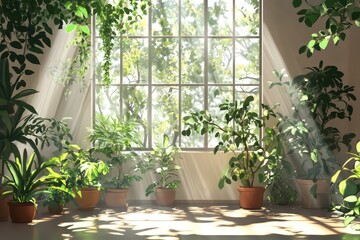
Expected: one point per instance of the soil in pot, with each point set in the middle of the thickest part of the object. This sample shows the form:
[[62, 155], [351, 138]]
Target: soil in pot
[[165, 196], [116, 198], [89, 198], [251, 198], [21, 212]]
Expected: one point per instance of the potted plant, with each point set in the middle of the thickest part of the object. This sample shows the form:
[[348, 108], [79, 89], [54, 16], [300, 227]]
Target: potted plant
[[161, 162], [116, 140], [26, 181], [238, 131], [348, 186], [318, 98], [83, 172]]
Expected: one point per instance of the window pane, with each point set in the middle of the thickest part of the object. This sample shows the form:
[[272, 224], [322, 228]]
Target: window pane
[[192, 100], [247, 64], [192, 60], [241, 92], [220, 60], [220, 17], [135, 100], [115, 61], [165, 103], [165, 14], [107, 100], [247, 19], [192, 18], [165, 60], [135, 60]]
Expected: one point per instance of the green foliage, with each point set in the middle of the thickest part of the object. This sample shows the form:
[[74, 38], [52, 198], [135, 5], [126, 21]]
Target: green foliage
[[162, 161], [237, 132], [349, 187], [56, 197], [79, 168], [25, 29], [26, 180], [338, 16], [318, 98], [116, 139]]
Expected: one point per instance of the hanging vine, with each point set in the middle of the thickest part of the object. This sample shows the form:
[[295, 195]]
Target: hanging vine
[[26, 31]]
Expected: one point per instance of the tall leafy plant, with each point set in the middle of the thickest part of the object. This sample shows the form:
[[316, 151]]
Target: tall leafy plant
[[318, 98], [238, 131], [116, 139]]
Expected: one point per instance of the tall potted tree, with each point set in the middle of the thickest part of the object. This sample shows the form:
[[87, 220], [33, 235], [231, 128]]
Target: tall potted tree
[[116, 139], [238, 131], [318, 98]]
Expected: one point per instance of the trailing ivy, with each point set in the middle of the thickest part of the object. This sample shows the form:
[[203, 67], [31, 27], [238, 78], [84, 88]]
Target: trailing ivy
[[339, 16], [27, 26]]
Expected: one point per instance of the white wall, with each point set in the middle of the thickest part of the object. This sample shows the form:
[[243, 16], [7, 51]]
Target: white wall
[[283, 35]]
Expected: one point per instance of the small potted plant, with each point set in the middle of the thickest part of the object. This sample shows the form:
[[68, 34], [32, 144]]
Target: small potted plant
[[25, 182], [161, 162], [83, 173], [116, 139], [318, 98], [238, 131]]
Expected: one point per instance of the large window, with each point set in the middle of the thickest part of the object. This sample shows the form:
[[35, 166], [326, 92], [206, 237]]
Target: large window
[[187, 55]]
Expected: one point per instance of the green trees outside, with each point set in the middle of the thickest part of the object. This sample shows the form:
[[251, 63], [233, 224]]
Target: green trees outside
[[182, 59]]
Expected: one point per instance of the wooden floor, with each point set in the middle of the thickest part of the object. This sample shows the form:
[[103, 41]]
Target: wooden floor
[[184, 221]]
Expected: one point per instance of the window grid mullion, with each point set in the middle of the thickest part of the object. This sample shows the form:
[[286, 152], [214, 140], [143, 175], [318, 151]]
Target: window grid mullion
[[206, 67], [149, 106], [180, 73]]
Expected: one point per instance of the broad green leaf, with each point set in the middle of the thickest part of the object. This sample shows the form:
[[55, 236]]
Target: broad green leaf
[[70, 27], [323, 43], [347, 188], [335, 176], [348, 220], [85, 29], [357, 23], [32, 58], [351, 199], [296, 3]]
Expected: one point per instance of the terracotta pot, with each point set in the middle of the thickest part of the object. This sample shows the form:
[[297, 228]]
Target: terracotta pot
[[251, 198], [165, 196], [4, 207], [323, 193], [116, 197], [22, 212], [55, 208], [89, 198]]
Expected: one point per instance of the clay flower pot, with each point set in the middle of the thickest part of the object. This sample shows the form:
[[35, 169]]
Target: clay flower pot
[[322, 192], [165, 196], [116, 198], [89, 198], [4, 207], [251, 197], [22, 212]]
